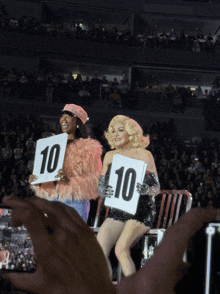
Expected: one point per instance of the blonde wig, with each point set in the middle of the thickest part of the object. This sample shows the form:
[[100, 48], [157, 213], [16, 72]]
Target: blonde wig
[[135, 132]]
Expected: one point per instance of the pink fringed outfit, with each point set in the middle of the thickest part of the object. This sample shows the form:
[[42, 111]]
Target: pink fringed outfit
[[82, 165]]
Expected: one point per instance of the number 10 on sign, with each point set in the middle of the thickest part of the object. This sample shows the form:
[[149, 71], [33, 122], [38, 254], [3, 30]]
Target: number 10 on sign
[[125, 174], [49, 158]]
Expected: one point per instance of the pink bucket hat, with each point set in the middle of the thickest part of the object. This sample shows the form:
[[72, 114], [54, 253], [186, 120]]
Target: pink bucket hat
[[77, 110]]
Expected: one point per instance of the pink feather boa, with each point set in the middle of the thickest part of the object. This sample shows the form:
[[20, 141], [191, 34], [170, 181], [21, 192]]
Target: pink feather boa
[[82, 165]]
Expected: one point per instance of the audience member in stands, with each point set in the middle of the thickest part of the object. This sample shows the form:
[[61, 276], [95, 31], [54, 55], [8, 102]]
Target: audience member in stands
[[123, 87], [196, 138], [115, 98], [104, 81], [198, 92], [84, 92], [7, 152]]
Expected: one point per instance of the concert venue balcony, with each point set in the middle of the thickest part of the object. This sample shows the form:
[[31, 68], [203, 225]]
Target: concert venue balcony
[[22, 43]]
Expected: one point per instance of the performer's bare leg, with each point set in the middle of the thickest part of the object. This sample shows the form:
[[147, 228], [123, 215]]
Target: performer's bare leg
[[108, 235], [131, 234]]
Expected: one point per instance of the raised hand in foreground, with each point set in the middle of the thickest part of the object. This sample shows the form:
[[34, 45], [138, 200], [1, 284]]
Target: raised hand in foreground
[[70, 260]]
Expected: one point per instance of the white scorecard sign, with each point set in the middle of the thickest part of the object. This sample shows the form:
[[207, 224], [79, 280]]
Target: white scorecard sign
[[125, 174], [49, 158]]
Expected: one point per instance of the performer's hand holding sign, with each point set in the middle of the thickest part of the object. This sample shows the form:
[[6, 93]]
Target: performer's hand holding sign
[[32, 178], [48, 161], [62, 176]]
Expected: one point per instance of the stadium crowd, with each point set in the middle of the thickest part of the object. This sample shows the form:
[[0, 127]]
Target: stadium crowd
[[150, 38], [21, 256], [48, 86], [52, 87]]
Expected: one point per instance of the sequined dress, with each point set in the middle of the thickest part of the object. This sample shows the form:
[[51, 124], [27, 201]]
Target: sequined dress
[[146, 209]]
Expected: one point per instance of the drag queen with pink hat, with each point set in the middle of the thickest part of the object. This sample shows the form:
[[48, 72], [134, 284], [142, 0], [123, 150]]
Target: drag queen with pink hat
[[81, 168]]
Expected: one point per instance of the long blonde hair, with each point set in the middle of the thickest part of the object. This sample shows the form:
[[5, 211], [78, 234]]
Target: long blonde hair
[[134, 130]]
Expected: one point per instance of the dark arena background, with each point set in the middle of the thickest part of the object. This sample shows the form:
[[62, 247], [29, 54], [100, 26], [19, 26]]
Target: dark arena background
[[155, 61]]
